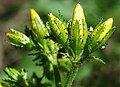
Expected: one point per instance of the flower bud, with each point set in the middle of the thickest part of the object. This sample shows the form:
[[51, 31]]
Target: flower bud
[[100, 35], [17, 38], [79, 31], [58, 29], [12, 73], [38, 28]]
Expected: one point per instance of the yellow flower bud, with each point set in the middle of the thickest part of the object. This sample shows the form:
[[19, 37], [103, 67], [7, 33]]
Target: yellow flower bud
[[100, 35], [59, 29], [17, 38], [107, 26], [79, 31], [38, 26]]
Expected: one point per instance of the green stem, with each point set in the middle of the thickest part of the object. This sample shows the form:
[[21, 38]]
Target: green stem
[[57, 77], [72, 75]]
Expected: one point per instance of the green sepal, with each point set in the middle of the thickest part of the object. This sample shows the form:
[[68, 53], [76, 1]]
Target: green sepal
[[60, 16], [64, 63], [98, 59], [47, 49], [94, 58], [96, 27], [51, 48], [75, 41], [85, 34], [13, 44]]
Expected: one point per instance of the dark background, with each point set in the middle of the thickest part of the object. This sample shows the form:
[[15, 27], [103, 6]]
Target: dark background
[[15, 14]]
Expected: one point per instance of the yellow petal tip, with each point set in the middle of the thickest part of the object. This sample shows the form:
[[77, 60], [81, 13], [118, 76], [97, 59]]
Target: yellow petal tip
[[33, 13]]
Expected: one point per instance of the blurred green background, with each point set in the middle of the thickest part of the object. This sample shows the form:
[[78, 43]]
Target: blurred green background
[[15, 14]]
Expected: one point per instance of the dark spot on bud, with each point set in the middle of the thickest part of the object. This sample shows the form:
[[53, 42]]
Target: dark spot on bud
[[83, 25], [82, 40], [98, 42], [59, 34], [89, 36]]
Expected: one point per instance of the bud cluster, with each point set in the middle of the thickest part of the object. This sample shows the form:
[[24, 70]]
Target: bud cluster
[[74, 37]]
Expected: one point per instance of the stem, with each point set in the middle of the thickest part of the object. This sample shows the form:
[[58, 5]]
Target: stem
[[57, 77], [72, 75]]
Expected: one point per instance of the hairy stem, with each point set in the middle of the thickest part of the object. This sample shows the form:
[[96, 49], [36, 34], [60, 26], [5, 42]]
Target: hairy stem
[[72, 75], [57, 77]]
